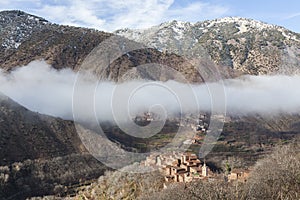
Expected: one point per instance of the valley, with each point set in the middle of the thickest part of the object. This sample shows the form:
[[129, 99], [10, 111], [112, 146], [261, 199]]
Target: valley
[[44, 155]]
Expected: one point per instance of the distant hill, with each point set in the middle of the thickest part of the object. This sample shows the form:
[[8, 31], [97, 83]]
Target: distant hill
[[246, 45]]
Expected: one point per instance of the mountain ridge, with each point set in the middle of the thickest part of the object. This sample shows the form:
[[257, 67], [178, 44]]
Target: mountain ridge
[[241, 45], [67, 47], [246, 45], [228, 19]]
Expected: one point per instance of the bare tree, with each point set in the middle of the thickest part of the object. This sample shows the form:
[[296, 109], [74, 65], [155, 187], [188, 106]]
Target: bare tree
[[277, 176]]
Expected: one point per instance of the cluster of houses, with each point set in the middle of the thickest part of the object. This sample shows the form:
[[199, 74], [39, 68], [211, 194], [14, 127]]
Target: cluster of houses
[[145, 117], [203, 123], [179, 167], [186, 167]]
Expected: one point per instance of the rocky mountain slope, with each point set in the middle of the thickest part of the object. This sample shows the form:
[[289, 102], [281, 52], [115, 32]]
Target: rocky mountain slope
[[25, 38], [246, 45], [17, 26], [34, 135], [242, 45], [40, 153]]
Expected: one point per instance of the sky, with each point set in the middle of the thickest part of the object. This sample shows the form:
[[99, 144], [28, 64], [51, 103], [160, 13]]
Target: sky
[[111, 15]]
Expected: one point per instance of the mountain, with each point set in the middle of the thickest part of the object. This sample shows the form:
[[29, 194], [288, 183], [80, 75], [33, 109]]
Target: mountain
[[40, 153], [43, 155], [25, 38], [249, 46], [31, 135], [238, 45]]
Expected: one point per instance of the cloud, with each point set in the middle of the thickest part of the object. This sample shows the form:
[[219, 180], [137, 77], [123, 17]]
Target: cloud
[[20, 4], [77, 14], [112, 15], [40, 88], [43, 89], [294, 15], [198, 11]]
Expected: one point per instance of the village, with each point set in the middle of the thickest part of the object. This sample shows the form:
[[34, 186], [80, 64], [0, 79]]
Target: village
[[187, 167]]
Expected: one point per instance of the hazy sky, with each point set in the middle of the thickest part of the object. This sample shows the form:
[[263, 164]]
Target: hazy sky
[[111, 15]]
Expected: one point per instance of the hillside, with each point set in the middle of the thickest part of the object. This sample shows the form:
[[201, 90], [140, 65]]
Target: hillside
[[34, 135], [26, 38], [246, 45], [39, 153]]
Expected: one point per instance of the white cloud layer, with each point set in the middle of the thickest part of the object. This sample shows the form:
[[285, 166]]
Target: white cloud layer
[[43, 89], [112, 15]]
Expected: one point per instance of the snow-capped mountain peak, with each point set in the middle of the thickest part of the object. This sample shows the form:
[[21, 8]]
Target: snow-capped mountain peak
[[232, 41]]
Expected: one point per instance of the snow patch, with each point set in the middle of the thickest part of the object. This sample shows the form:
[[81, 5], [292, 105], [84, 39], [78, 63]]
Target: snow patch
[[288, 35], [243, 28], [179, 30], [17, 44], [242, 22]]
